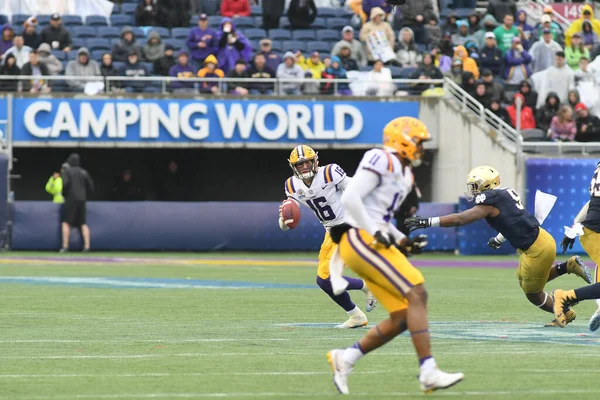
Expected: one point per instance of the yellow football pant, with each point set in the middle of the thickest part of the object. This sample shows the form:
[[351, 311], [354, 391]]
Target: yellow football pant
[[325, 254], [590, 241], [387, 272], [535, 263]]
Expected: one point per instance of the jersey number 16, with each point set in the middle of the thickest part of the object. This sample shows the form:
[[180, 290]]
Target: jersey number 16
[[321, 209]]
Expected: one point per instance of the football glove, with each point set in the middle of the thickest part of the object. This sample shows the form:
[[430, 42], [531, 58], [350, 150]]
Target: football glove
[[385, 239], [417, 244], [413, 223], [494, 243], [567, 242]]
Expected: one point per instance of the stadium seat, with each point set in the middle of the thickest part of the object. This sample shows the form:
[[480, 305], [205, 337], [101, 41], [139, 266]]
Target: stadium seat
[[303, 34], [255, 33], [177, 44], [292, 45], [327, 12], [148, 66], [43, 19], [18, 29], [280, 34], [64, 64], [78, 43], [72, 20], [121, 20], [110, 32], [4, 19], [336, 23], [72, 55], [471, 4], [328, 35], [284, 23], [256, 11], [128, 8], [194, 20], [83, 32], [138, 33], [118, 65], [365, 68], [19, 19], [60, 55], [214, 20], [321, 47], [180, 33], [244, 22], [533, 135], [276, 45], [258, 22], [97, 55], [96, 20], [464, 12], [319, 23], [98, 44], [163, 32], [396, 72], [114, 42]]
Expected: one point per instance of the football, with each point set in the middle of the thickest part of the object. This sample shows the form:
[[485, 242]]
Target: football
[[291, 213]]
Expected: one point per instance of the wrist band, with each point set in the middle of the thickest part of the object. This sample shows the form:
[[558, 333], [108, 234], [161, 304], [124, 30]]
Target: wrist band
[[435, 221]]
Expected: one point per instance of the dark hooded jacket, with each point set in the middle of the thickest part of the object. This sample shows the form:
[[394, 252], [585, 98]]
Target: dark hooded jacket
[[153, 16], [9, 85], [77, 183], [121, 50], [531, 97], [302, 13], [592, 132], [577, 98], [474, 27], [544, 114], [60, 35], [177, 12], [499, 8], [163, 65]]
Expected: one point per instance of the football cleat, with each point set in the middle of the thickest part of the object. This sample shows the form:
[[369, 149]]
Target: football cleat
[[562, 300], [595, 321], [575, 265], [357, 320], [570, 318], [371, 302], [438, 379], [341, 370]]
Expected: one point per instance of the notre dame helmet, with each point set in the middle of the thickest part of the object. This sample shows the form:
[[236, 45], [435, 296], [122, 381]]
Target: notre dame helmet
[[480, 179], [301, 154]]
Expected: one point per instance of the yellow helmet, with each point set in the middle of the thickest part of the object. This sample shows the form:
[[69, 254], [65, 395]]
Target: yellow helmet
[[301, 154], [481, 178], [404, 136]]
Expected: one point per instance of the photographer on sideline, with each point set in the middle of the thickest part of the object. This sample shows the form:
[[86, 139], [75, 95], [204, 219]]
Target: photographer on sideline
[[77, 185]]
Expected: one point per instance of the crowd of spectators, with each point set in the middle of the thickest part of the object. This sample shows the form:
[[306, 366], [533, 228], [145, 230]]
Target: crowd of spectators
[[498, 56]]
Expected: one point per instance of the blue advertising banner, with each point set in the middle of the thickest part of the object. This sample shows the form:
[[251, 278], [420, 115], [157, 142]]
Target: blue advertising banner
[[235, 122], [569, 180]]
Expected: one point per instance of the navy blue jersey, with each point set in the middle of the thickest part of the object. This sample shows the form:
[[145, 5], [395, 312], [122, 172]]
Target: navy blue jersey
[[592, 219], [519, 227]]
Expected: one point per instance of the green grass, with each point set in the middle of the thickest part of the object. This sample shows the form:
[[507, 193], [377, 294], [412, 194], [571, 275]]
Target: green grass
[[72, 342]]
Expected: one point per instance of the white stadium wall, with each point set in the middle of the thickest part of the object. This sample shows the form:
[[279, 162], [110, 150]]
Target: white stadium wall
[[463, 142]]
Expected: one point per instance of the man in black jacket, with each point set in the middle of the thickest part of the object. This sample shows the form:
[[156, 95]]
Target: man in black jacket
[[56, 35], [77, 185], [272, 11], [36, 69], [302, 13], [490, 56], [163, 65], [588, 126]]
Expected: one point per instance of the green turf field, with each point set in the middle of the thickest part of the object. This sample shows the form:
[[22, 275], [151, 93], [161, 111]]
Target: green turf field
[[137, 326]]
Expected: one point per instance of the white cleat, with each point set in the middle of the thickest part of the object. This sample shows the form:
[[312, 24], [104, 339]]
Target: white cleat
[[438, 379], [595, 321], [341, 370], [371, 302], [357, 320]]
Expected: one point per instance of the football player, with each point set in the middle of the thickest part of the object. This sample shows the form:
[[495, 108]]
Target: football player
[[503, 211], [589, 220], [382, 181], [320, 189]]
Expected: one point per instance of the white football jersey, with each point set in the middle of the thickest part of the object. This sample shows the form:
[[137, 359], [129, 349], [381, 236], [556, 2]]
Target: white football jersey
[[395, 183], [323, 196]]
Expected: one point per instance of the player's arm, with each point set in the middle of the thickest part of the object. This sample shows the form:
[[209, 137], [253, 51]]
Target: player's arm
[[568, 240], [343, 184], [458, 219], [364, 182]]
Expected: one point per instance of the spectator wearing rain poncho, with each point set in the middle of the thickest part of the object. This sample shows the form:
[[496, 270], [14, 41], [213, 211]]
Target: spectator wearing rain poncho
[[232, 46]]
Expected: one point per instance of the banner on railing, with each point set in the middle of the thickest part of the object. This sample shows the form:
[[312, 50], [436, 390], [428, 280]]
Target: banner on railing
[[138, 122]]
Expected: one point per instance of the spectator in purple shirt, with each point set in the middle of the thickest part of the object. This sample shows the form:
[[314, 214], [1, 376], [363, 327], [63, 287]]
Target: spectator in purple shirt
[[368, 5], [202, 41], [182, 70], [273, 60]]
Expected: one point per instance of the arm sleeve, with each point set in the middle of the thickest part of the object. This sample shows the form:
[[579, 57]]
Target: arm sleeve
[[582, 213], [363, 183], [50, 186]]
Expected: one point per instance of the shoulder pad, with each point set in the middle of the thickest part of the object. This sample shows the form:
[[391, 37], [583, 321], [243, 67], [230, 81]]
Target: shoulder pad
[[333, 173], [487, 198], [379, 161]]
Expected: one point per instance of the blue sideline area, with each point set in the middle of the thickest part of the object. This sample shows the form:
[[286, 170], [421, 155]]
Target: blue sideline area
[[187, 226]]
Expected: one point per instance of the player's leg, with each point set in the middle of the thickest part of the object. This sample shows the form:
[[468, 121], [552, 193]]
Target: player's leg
[[82, 222], [399, 287], [66, 232], [356, 318]]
